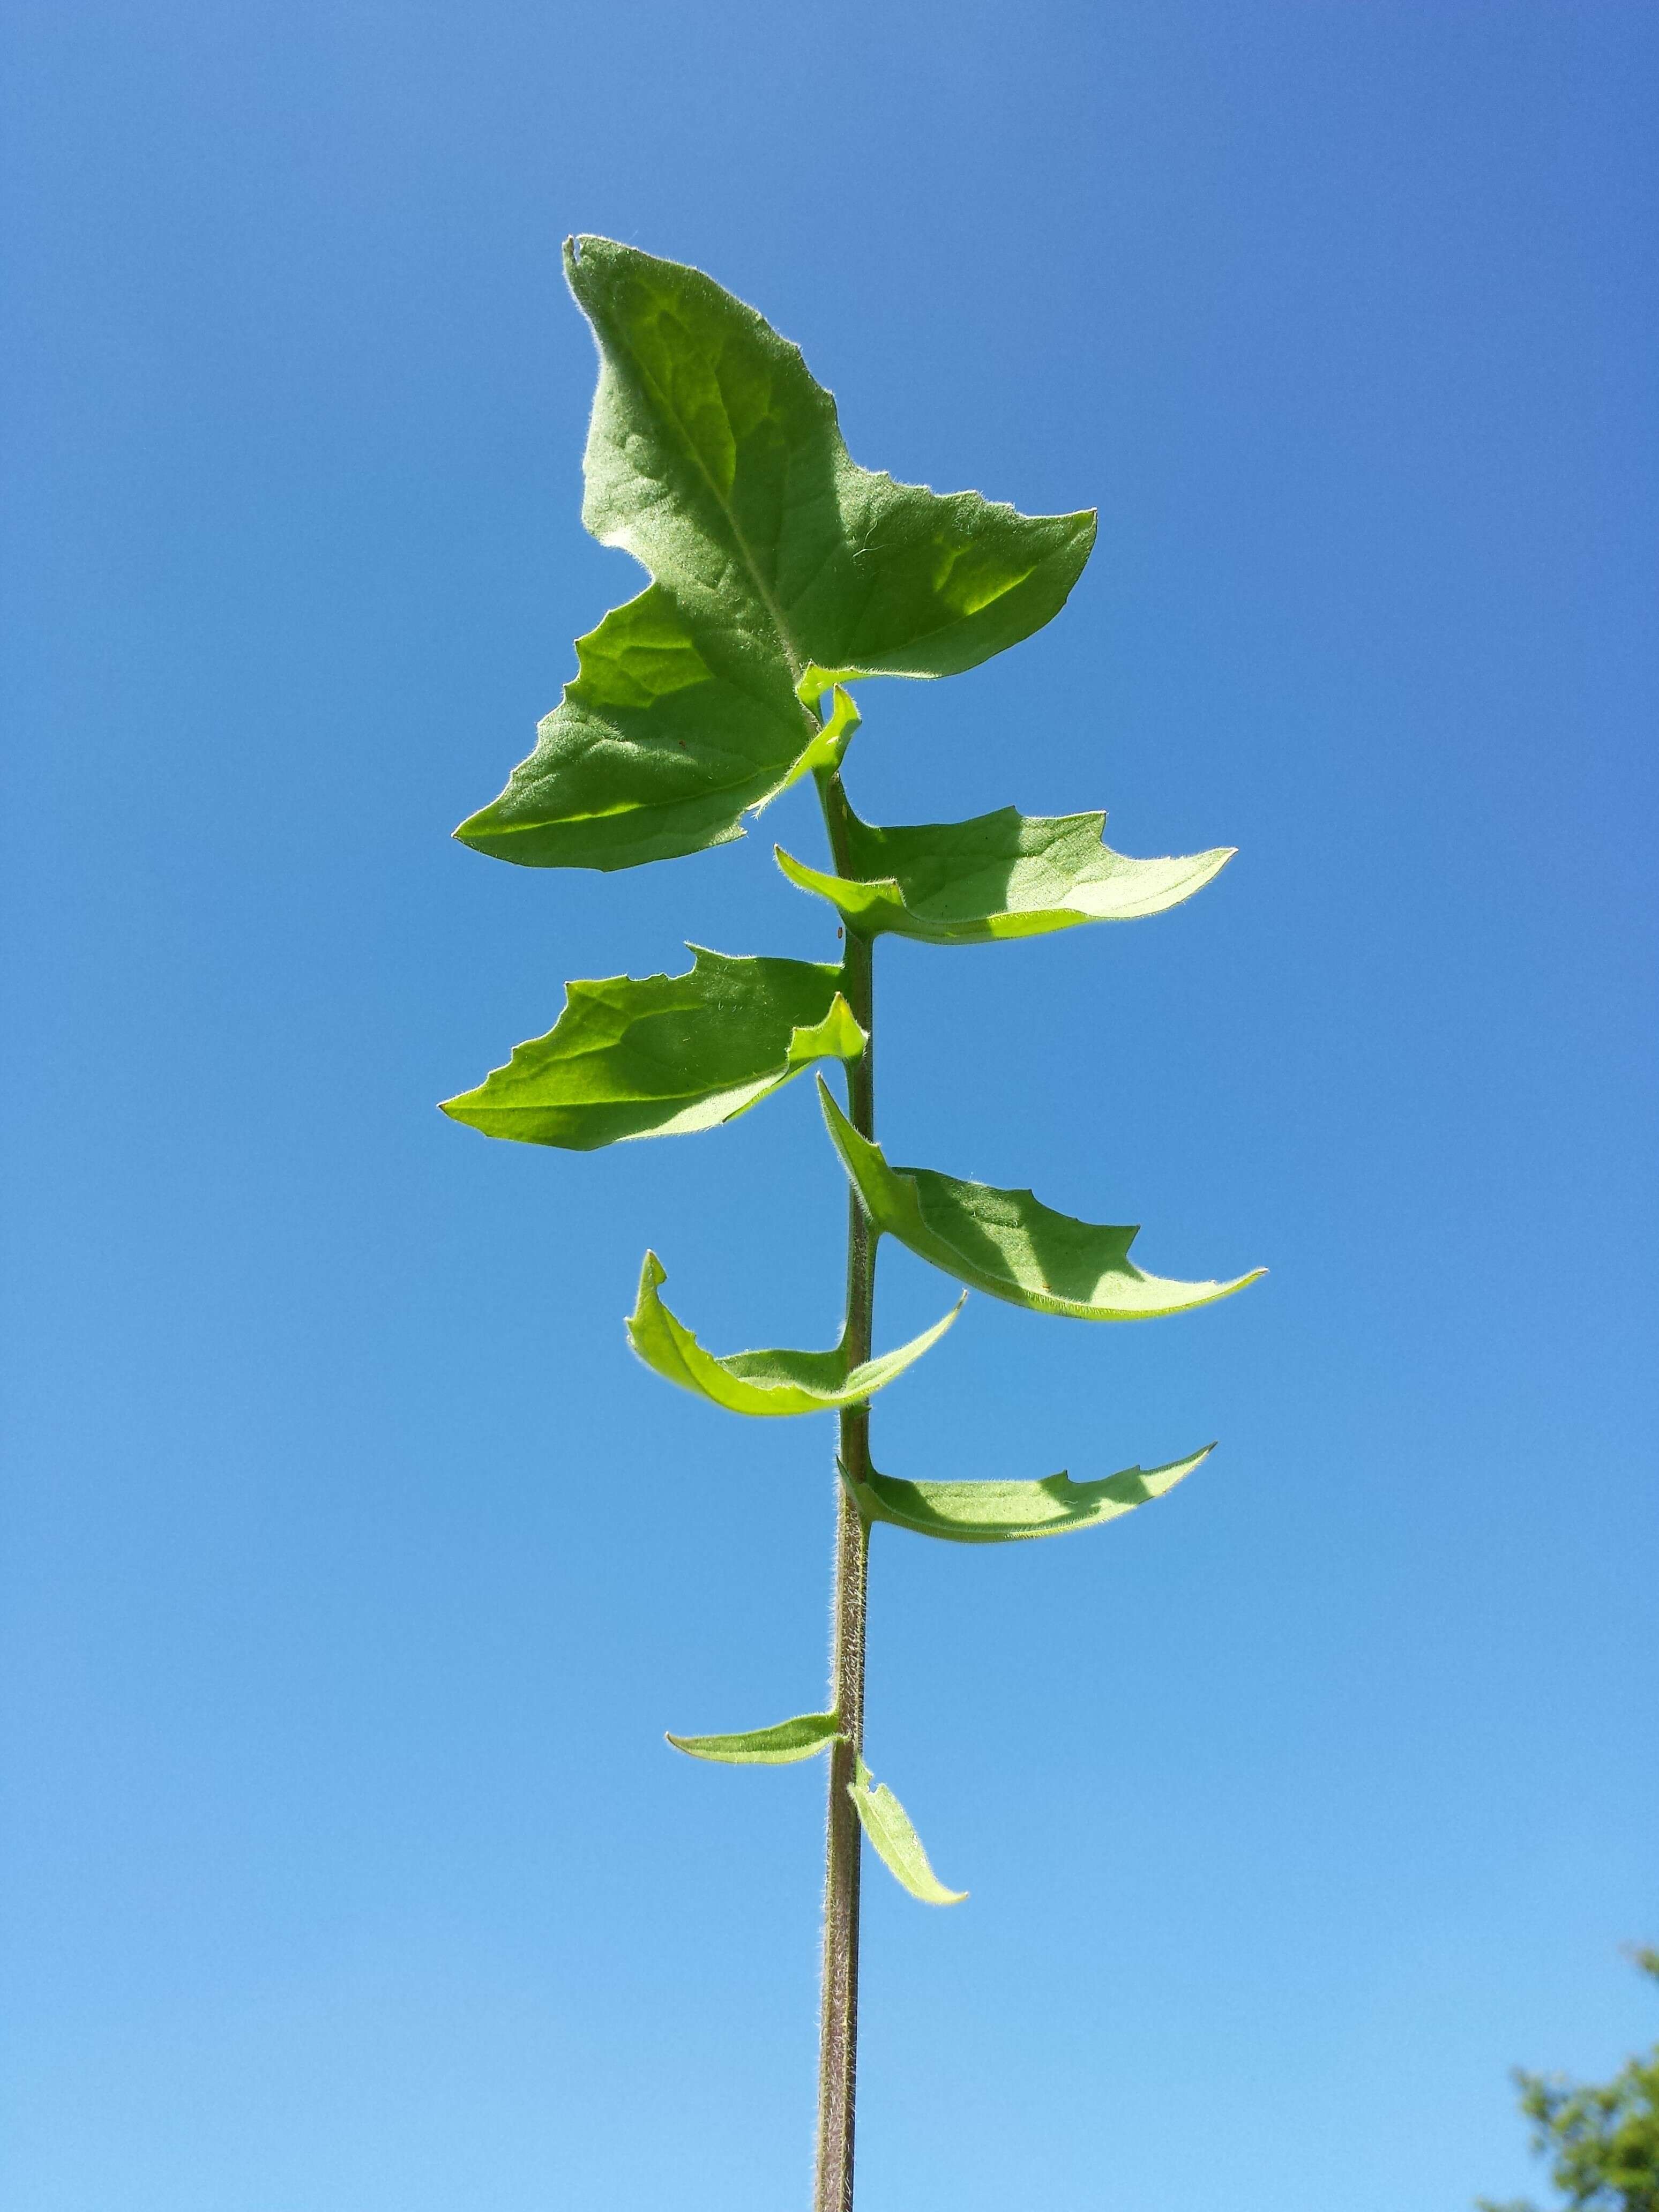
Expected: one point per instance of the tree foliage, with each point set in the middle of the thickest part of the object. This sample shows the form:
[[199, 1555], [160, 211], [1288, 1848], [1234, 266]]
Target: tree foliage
[[1602, 2142]]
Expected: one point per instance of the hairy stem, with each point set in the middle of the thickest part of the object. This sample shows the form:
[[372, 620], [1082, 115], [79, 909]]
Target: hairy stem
[[838, 2017]]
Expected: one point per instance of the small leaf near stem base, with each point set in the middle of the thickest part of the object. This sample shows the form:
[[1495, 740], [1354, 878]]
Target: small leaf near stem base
[[898, 1846], [780, 1745]]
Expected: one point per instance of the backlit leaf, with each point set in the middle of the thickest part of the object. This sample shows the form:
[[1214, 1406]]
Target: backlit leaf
[[1006, 1242], [780, 1745], [665, 1054], [998, 876], [887, 1824], [1008, 1512], [765, 1383], [716, 459]]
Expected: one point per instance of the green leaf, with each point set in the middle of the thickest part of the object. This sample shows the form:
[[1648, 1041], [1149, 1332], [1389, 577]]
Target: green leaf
[[780, 1745], [1006, 1242], [665, 1054], [766, 1382], [779, 567], [1008, 1512], [827, 750], [998, 876], [887, 1824]]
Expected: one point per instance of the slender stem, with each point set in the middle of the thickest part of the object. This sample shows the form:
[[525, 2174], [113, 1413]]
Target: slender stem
[[839, 2018]]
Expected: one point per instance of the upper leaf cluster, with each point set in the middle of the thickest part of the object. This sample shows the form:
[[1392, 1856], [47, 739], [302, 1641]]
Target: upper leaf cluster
[[779, 565]]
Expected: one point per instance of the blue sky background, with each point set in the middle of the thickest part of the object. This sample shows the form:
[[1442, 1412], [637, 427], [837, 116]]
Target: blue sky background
[[353, 1569]]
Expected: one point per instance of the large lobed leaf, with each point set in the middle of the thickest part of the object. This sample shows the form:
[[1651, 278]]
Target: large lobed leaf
[[1009, 1512], [1008, 1243], [999, 875], [716, 459], [764, 1383], [665, 1054]]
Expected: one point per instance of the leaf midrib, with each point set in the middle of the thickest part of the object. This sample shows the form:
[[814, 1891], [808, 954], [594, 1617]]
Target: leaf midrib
[[796, 661]]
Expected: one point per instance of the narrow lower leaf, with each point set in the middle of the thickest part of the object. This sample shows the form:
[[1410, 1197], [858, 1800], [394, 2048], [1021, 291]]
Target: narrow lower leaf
[[998, 876], [780, 1745], [1010, 1512], [762, 1383], [898, 1846], [664, 1054], [1008, 1243], [716, 459]]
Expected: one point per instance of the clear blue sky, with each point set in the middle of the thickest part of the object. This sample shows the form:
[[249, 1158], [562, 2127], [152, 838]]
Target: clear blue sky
[[352, 1567]]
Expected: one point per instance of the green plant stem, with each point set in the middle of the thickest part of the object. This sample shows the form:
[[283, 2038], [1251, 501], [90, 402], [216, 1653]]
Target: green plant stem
[[843, 1847]]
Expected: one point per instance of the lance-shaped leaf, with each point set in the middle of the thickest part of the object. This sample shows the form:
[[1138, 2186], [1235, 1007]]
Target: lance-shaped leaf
[[999, 875], [766, 1382], [1009, 1512], [666, 1055], [715, 458], [780, 1745], [1006, 1243], [887, 1824]]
